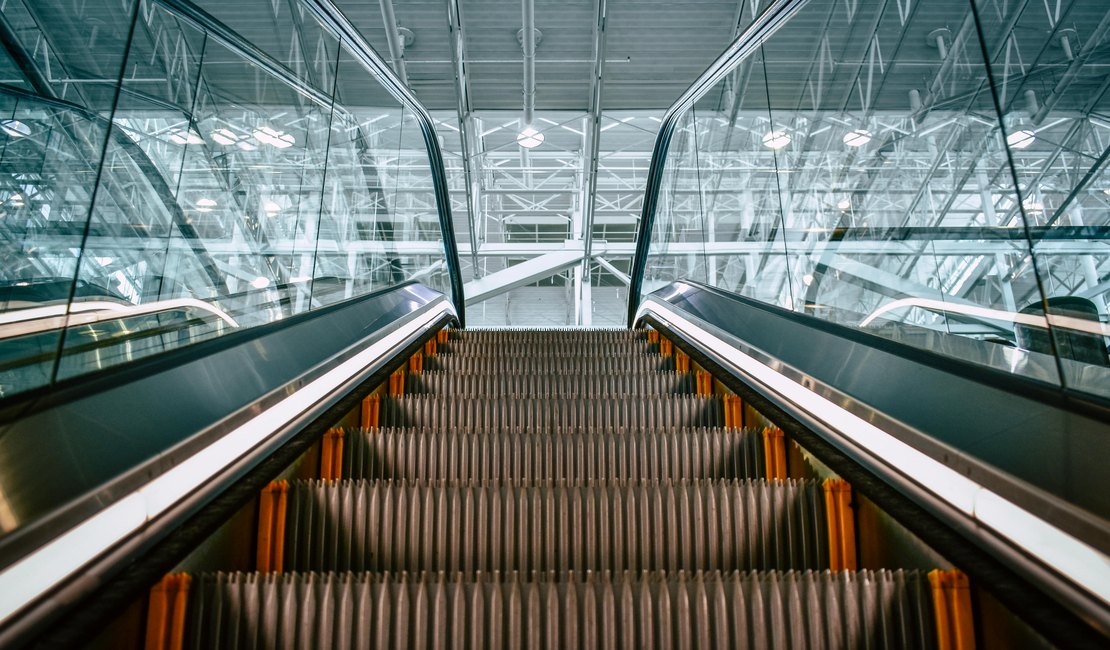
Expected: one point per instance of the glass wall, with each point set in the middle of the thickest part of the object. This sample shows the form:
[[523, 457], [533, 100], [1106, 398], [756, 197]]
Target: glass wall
[[164, 181], [880, 166]]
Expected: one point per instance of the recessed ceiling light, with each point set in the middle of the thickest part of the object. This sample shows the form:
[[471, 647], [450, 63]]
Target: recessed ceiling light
[[776, 139], [273, 137], [807, 279], [205, 205], [15, 128], [260, 282], [225, 136], [844, 204], [857, 138], [271, 207], [184, 136], [1020, 139], [529, 138]]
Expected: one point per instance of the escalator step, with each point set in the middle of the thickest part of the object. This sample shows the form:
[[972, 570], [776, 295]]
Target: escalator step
[[386, 526], [552, 348], [457, 384], [862, 609], [551, 364], [493, 336], [503, 412], [524, 456]]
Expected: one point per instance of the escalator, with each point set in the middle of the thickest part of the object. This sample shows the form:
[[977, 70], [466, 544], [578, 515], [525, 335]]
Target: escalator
[[518, 489], [344, 464]]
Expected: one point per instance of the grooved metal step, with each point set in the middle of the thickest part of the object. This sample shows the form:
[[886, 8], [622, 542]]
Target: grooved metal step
[[386, 526], [585, 365], [805, 610], [468, 414], [535, 384], [524, 456]]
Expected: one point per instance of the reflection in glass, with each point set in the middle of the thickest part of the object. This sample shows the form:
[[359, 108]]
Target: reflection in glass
[[866, 177], [212, 189]]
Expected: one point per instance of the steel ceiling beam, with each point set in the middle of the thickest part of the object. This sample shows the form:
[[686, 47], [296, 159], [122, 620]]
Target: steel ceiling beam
[[468, 138]]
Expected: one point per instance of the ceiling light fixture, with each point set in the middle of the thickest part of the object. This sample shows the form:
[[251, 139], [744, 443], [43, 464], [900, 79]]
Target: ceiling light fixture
[[1020, 139], [529, 138], [845, 204], [184, 136], [271, 207], [273, 137], [15, 128], [260, 282], [205, 205], [857, 138], [225, 137], [776, 139]]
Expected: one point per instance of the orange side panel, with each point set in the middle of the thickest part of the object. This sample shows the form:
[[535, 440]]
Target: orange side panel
[[704, 382], [165, 622], [727, 399], [337, 456], [937, 580], [265, 530], [847, 525], [774, 453], [179, 609], [397, 382], [271, 527], [370, 408], [331, 455], [157, 615], [952, 606], [326, 454], [841, 522], [277, 549], [737, 412]]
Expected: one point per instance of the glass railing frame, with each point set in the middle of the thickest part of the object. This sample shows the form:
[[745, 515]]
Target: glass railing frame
[[749, 40], [334, 20]]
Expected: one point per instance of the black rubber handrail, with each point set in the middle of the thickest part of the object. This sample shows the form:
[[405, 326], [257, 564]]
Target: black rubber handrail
[[333, 19], [749, 40]]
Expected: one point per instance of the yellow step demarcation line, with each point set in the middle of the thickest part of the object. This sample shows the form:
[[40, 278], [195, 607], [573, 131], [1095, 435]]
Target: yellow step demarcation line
[[704, 382], [952, 607], [371, 408], [331, 455], [774, 453], [271, 527], [165, 619], [734, 410], [841, 523], [430, 347], [682, 362], [653, 336], [416, 363], [442, 336], [397, 382], [666, 348]]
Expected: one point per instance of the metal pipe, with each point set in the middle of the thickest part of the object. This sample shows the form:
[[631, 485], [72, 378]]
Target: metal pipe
[[393, 38], [528, 42]]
